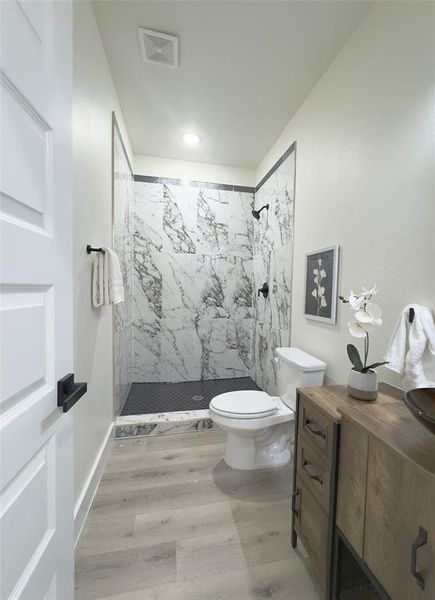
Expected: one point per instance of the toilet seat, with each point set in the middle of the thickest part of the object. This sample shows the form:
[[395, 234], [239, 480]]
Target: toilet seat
[[244, 404]]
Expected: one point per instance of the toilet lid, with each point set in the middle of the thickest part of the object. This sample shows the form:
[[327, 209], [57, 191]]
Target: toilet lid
[[246, 404]]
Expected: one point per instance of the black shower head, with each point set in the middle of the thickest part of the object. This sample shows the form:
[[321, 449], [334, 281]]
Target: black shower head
[[256, 213]]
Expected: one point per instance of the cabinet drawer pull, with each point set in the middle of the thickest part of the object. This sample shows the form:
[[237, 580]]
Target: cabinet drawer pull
[[313, 476], [420, 540], [314, 430], [294, 496]]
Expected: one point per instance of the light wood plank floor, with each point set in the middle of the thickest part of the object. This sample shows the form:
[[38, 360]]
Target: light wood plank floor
[[171, 521]]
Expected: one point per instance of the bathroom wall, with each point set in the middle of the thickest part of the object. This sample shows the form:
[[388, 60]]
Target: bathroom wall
[[123, 230], [94, 100], [273, 260], [365, 175], [192, 280]]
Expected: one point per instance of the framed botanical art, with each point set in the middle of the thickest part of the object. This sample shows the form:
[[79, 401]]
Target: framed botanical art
[[321, 284]]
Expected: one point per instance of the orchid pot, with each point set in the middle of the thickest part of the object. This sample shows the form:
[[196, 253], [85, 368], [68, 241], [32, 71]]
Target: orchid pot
[[363, 379], [363, 386]]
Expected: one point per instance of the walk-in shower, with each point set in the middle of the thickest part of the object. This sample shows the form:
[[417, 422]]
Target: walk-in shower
[[198, 327]]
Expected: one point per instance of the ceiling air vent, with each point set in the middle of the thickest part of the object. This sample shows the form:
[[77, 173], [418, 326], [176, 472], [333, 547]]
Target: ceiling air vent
[[158, 47]]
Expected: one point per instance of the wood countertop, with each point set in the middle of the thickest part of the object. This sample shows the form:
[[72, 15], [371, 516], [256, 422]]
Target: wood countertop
[[387, 418], [332, 399]]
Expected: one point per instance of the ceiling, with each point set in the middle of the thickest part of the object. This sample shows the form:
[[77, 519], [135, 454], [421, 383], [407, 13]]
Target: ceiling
[[245, 68]]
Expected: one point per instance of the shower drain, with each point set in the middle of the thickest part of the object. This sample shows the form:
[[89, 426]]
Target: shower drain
[[197, 398]]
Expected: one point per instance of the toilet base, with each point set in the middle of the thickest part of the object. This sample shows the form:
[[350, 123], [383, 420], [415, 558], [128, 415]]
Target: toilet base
[[269, 448]]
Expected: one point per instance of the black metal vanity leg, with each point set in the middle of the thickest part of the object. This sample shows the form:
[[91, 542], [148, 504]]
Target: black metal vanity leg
[[295, 492]]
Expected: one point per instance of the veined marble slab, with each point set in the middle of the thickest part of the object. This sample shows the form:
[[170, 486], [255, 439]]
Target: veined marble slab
[[192, 282], [272, 262], [163, 423]]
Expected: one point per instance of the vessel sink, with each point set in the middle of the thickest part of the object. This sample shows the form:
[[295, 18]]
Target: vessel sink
[[421, 403]]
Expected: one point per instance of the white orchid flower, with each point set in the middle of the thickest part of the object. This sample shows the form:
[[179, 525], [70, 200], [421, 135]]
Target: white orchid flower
[[371, 292], [323, 303], [367, 316], [323, 274], [370, 314], [321, 291], [314, 293], [359, 330], [355, 300]]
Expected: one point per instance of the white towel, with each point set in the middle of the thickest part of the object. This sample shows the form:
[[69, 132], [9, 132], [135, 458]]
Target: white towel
[[116, 284], [107, 283], [411, 352], [98, 297]]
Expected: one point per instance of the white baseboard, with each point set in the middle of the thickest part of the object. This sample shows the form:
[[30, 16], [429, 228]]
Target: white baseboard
[[89, 490]]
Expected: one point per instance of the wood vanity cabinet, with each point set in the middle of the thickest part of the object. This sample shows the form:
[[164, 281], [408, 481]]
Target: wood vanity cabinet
[[386, 498], [315, 475], [364, 473]]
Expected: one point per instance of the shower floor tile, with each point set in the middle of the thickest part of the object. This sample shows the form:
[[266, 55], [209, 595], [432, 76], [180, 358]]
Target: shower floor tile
[[145, 398]]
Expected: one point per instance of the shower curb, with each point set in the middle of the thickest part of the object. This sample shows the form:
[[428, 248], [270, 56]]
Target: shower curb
[[163, 423]]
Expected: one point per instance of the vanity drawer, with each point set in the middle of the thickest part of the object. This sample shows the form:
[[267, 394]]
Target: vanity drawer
[[315, 472], [311, 525], [316, 428]]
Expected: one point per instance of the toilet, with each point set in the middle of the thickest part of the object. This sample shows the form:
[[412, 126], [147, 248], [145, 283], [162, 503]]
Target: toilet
[[260, 428]]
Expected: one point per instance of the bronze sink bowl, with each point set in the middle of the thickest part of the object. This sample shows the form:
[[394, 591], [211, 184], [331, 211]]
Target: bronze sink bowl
[[421, 403]]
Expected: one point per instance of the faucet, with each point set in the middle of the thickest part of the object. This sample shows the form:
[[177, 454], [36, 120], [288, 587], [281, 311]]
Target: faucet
[[264, 290]]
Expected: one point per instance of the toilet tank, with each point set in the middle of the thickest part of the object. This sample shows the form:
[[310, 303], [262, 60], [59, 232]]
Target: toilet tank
[[296, 369]]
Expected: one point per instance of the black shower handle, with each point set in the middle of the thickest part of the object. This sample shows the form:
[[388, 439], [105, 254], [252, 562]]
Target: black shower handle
[[264, 290]]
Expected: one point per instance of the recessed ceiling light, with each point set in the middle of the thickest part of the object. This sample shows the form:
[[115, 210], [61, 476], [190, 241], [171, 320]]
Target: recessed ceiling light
[[191, 139]]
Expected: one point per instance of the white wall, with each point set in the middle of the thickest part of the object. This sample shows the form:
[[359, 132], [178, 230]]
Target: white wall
[[190, 170], [94, 100], [365, 174]]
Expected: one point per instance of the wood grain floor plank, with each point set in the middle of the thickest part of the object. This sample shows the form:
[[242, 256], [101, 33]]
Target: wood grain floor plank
[[105, 535], [134, 459], [144, 477], [224, 484], [282, 580], [171, 521], [99, 575], [185, 440], [210, 554], [182, 523]]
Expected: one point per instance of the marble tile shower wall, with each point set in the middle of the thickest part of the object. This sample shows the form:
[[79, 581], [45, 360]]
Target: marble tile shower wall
[[193, 294], [123, 202], [272, 262]]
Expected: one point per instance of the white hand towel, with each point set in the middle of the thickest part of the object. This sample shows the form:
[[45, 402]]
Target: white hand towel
[[107, 283], [98, 298], [115, 281], [411, 351]]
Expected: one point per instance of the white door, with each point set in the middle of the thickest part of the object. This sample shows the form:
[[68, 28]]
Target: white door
[[36, 495]]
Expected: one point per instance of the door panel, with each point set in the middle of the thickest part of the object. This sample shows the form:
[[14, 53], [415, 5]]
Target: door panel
[[352, 478], [26, 146], [28, 46], [311, 524], [36, 496], [400, 500]]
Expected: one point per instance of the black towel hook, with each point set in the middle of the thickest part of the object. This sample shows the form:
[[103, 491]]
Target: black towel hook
[[89, 249], [411, 315]]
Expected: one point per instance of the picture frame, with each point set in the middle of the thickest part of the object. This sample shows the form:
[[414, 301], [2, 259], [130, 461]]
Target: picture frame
[[321, 288]]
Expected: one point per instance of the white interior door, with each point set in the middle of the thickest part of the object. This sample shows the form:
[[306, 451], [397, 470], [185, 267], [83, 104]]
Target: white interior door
[[36, 496]]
